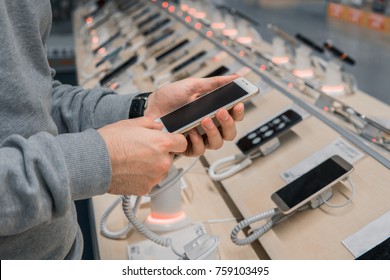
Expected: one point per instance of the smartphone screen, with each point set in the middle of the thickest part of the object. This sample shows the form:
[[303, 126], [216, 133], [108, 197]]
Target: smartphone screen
[[312, 182], [202, 106]]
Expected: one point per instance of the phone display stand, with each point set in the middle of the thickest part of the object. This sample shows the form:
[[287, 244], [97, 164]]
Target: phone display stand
[[166, 213], [279, 53], [274, 217], [252, 147], [269, 147], [303, 67], [333, 84], [169, 218], [227, 167]]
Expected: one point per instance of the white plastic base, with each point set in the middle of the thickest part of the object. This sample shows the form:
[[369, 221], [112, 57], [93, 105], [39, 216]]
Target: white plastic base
[[147, 250]]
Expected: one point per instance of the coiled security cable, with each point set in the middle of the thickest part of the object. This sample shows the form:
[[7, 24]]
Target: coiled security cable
[[353, 190], [124, 231], [228, 166], [138, 225], [165, 242], [256, 233], [275, 216]]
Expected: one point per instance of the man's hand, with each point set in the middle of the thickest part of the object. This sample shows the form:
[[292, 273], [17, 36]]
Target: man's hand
[[141, 154], [172, 96]]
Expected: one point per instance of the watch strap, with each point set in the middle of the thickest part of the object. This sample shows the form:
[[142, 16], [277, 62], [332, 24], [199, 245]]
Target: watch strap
[[138, 105]]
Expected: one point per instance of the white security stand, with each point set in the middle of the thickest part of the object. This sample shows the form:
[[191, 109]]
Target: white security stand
[[166, 213], [279, 53], [333, 84], [303, 68]]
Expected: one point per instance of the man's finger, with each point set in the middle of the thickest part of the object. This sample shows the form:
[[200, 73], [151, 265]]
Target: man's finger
[[237, 112], [144, 122], [178, 143]]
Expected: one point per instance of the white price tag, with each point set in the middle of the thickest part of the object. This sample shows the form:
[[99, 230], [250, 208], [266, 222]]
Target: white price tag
[[337, 147]]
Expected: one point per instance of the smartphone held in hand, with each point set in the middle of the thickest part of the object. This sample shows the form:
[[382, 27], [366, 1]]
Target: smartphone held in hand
[[190, 115]]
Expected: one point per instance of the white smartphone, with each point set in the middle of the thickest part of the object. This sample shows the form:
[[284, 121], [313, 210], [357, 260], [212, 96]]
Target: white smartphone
[[311, 184], [189, 115]]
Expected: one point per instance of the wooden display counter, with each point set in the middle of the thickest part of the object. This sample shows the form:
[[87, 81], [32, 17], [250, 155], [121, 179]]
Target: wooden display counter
[[315, 234]]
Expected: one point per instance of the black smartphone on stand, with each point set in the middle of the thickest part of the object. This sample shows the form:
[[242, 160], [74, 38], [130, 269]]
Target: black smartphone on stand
[[311, 184]]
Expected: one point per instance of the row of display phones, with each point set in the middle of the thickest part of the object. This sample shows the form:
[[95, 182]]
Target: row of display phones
[[146, 44], [168, 51]]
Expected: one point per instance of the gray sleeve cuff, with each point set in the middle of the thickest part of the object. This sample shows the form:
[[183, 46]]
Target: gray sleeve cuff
[[87, 162], [112, 108]]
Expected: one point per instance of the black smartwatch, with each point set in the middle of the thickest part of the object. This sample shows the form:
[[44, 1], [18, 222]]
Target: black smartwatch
[[138, 105]]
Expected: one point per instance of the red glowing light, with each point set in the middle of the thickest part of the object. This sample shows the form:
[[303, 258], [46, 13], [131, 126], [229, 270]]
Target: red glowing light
[[89, 20], [374, 140], [241, 53], [171, 9], [333, 89], [95, 39], [114, 86], [209, 33], [200, 15], [218, 25], [263, 67], [154, 218], [326, 109], [306, 73], [290, 85], [165, 4], [224, 43], [187, 19], [244, 40], [191, 11], [230, 32], [198, 25], [280, 60], [102, 51]]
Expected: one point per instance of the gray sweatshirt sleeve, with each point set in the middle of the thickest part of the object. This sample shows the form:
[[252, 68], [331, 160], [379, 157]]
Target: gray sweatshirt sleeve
[[43, 175], [41, 172], [75, 109]]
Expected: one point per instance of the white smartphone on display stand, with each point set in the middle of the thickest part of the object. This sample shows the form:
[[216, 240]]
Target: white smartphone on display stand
[[190, 115], [311, 184]]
